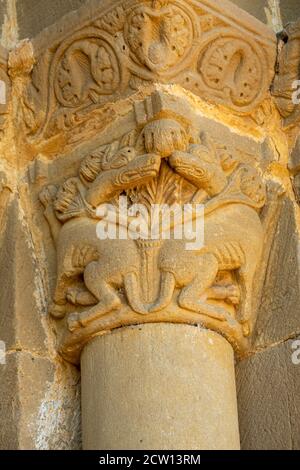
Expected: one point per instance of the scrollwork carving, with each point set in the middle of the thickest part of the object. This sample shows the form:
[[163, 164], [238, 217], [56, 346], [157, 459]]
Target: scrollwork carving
[[233, 68], [89, 68], [135, 44]]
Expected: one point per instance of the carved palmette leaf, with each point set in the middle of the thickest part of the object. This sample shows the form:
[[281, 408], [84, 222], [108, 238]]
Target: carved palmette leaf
[[246, 186], [166, 189]]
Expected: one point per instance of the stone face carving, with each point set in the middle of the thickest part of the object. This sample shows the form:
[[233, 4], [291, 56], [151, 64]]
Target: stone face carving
[[106, 283], [288, 73], [133, 43]]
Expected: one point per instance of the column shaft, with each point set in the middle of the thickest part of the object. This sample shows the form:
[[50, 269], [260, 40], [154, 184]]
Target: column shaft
[[159, 386]]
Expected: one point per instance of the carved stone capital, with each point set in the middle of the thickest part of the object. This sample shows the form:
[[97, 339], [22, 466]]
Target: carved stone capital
[[164, 160]]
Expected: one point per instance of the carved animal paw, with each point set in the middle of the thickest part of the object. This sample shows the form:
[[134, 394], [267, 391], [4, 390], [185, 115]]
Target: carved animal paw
[[80, 296], [48, 195], [74, 321], [234, 295], [57, 311], [72, 295], [246, 329], [275, 190], [229, 293]]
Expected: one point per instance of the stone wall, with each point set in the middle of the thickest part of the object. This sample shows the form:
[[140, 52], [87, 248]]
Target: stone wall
[[269, 407]]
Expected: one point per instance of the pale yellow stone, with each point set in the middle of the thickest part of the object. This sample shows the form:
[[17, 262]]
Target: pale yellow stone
[[159, 386], [102, 104]]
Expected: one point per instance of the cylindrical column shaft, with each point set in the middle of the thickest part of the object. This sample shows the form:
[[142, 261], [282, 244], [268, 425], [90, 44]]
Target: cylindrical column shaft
[[159, 386]]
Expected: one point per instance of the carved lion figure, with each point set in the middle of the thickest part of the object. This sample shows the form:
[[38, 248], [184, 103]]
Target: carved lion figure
[[101, 264]]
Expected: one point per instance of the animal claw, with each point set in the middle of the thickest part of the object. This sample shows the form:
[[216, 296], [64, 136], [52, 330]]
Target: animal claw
[[74, 322], [155, 308], [72, 295], [57, 311], [47, 195], [246, 329], [140, 309]]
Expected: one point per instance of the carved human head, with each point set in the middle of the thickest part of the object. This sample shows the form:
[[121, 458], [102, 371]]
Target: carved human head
[[165, 136]]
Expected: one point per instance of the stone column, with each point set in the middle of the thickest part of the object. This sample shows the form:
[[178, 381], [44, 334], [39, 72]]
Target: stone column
[[159, 386]]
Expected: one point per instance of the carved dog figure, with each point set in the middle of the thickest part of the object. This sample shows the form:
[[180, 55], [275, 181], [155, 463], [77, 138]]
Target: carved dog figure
[[233, 236], [79, 252], [106, 265]]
